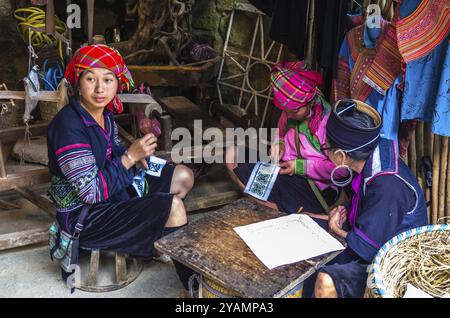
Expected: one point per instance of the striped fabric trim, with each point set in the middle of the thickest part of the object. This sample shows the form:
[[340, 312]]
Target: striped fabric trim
[[387, 63], [419, 33], [73, 146], [341, 86], [363, 58], [78, 165], [366, 238], [300, 167], [375, 278]]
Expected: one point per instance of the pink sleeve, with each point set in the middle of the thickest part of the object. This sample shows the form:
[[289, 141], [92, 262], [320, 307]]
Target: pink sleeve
[[282, 122]]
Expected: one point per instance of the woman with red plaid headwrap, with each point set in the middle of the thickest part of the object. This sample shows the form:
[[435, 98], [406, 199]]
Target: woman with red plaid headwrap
[[304, 180], [90, 166]]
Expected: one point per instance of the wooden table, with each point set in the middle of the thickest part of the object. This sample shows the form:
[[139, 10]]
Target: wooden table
[[212, 248]]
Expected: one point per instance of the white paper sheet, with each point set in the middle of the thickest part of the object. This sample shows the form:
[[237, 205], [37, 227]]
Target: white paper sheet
[[261, 180], [287, 240], [414, 292]]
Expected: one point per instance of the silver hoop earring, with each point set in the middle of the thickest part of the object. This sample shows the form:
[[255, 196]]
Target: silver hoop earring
[[345, 183]]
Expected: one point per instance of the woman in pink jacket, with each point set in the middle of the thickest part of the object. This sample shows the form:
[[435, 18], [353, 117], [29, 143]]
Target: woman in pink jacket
[[304, 180]]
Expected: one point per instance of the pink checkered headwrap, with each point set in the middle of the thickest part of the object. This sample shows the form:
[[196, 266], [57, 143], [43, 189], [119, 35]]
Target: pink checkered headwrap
[[295, 86]]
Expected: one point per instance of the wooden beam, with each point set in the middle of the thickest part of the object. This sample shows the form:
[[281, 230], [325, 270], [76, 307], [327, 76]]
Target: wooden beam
[[41, 202], [186, 112], [45, 96], [15, 133], [128, 138], [22, 238], [2, 163], [8, 206], [53, 96], [137, 98], [211, 200], [24, 179]]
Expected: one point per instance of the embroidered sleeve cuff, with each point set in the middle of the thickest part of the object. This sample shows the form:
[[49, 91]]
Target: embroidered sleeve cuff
[[300, 167]]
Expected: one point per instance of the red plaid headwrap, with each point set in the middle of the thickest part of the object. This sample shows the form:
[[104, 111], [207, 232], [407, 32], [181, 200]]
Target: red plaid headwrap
[[103, 56], [295, 86]]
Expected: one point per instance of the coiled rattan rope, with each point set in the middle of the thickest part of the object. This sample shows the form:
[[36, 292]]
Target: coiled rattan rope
[[423, 263], [33, 17]]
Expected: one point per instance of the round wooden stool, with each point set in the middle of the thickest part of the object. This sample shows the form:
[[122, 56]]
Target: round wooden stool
[[110, 272]]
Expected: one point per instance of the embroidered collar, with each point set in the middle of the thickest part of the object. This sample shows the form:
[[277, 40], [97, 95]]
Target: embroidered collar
[[86, 117], [383, 160]]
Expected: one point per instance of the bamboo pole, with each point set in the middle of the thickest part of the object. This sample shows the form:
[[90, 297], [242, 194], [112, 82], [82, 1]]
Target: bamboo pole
[[420, 153], [435, 186], [448, 193], [442, 176], [412, 153], [428, 140], [310, 33]]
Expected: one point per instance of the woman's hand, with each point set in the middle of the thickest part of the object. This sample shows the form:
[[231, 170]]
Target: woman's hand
[[337, 218], [277, 152], [287, 167], [140, 149]]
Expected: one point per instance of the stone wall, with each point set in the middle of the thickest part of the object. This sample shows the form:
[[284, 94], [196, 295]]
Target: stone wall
[[13, 53], [210, 19]]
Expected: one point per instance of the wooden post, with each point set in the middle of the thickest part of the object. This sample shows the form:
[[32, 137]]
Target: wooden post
[[2, 164], [413, 154], [435, 186], [420, 154], [442, 176], [90, 9], [448, 193], [93, 268], [121, 268], [50, 18]]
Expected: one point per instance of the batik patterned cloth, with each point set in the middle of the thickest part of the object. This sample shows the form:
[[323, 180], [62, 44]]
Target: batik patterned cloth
[[426, 94], [101, 56]]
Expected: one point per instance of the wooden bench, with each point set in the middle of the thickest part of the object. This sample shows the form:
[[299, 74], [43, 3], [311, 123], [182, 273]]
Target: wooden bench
[[213, 249]]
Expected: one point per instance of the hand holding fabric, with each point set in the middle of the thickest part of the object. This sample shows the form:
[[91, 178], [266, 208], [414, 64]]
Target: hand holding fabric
[[287, 167]]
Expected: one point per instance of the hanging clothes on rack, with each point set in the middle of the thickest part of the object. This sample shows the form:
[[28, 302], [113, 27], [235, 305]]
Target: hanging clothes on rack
[[369, 70], [423, 38], [289, 27]]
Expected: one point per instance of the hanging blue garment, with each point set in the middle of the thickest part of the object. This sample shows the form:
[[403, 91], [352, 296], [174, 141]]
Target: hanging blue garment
[[427, 87], [427, 83], [387, 105]]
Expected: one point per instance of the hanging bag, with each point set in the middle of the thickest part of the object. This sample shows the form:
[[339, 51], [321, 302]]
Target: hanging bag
[[64, 246]]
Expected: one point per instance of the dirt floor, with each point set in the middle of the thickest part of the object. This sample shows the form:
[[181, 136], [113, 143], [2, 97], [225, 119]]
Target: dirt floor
[[29, 272]]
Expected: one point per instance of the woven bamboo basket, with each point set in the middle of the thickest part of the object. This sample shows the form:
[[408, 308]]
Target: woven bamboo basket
[[50, 109], [14, 117], [210, 288], [394, 265]]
